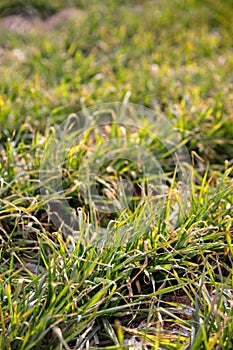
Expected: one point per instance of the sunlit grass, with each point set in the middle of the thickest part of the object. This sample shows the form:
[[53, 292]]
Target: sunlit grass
[[133, 278]]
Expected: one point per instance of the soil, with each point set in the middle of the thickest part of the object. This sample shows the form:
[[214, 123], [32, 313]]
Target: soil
[[21, 23]]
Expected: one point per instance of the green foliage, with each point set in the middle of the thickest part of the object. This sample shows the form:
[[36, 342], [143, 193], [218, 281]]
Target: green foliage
[[140, 279]]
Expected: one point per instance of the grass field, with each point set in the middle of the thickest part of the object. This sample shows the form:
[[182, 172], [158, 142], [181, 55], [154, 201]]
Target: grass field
[[132, 278]]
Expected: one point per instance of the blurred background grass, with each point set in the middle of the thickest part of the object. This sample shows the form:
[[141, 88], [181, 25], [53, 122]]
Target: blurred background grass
[[176, 56]]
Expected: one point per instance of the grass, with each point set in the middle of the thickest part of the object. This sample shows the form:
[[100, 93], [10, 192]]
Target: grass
[[133, 278]]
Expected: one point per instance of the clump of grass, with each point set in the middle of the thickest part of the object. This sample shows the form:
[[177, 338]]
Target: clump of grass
[[79, 293]]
